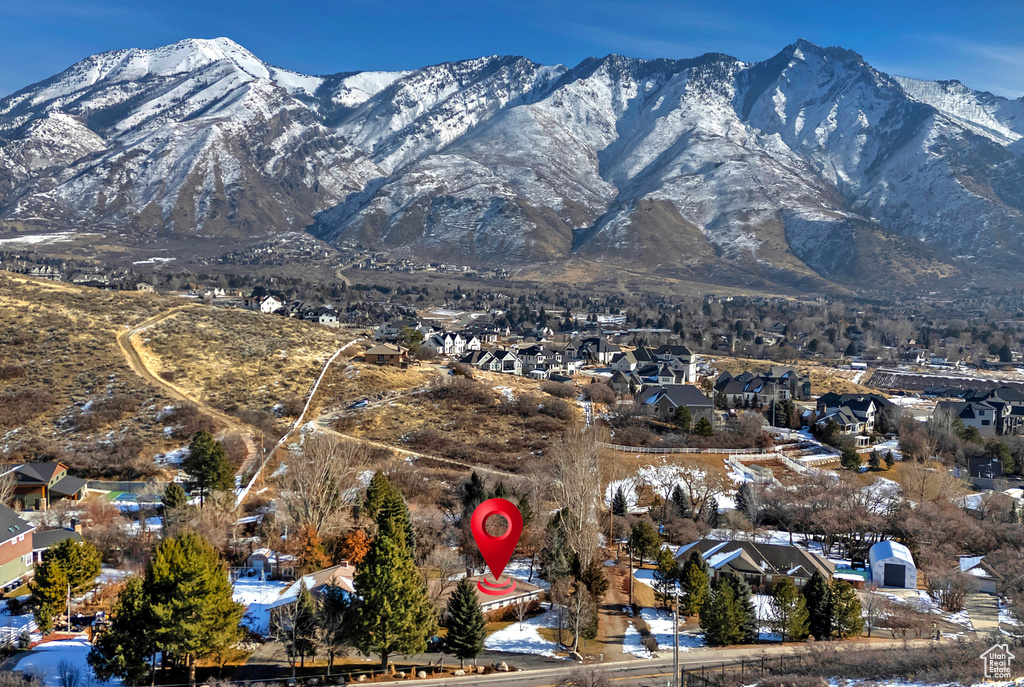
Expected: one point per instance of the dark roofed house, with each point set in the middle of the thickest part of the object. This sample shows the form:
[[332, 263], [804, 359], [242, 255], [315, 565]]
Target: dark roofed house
[[761, 565], [15, 547], [664, 401], [45, 539], [524, 592], [38, 485]]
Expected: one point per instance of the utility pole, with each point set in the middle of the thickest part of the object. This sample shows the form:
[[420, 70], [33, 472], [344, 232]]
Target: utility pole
[[675, 638], [631, 576]]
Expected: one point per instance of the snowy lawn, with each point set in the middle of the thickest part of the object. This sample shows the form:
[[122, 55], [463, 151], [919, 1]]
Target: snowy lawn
[[519, 568], [660, 624], [257, 597], [524, 639], [45, 659]]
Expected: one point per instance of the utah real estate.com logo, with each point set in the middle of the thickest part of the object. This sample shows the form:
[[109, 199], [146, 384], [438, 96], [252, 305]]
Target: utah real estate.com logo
[[997, 662]]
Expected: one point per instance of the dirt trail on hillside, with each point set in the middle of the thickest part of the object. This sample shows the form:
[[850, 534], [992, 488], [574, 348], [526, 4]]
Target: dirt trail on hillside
[[140, 365]]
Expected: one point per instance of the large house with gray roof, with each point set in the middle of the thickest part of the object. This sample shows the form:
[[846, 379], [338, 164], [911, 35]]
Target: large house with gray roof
[[761, 565]]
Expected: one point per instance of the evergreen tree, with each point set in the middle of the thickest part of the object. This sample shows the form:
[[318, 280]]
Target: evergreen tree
[[749, 625], [526, 510], [890, 460], [300, 637], [385, 505], [465, 621], [682, 418], [127, 648], [874, 460], [619, 504], [312, 556], [472, 494], [49, 593], [703, 428], [644, 540], [665, 576], [694, 583], [333, 621], [819, 607], [70, 566], [174, 497], [709, 511], [847, 619], [594, 579], [681, 502], [501, 491], [194, 614], [721, 617], [377, 492], [849, 459], [788, 611], [392, 612], [207, 466]]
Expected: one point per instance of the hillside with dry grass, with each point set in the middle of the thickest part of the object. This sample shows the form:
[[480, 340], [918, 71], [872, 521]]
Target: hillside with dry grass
[[69, 392]]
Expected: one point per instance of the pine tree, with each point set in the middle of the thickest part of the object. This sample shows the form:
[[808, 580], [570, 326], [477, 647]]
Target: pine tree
[[174, 497], [49, 593], [594, 579], [644, 540], [194, 614], [703, 428], [207, 466], [69, 566], [501, 491], [300, 639], [819, 607], [126, 648], [473, 493], [619, 504], [849, 459], [721, 617], [377, 492], [683, 418], [333, 621], [392, 612], [874, 461], [847, 619], [694, 583], [312, 556], [526, 510], [681, 502], [709, 511], [665, 576], [789, 611], [749, 625], [890, 460], [385, 505], [465, 621]]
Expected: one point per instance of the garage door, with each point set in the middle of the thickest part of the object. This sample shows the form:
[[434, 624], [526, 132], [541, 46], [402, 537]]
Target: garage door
[[895, 575]]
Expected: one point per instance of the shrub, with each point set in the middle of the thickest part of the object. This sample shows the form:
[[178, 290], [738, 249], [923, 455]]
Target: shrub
[[558, 389], [104, 411], [20, 407], [599, 393], [557, 409], [11, 372]]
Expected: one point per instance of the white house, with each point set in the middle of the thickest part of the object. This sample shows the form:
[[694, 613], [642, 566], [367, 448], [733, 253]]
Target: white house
[[270, 304], [892, 565]]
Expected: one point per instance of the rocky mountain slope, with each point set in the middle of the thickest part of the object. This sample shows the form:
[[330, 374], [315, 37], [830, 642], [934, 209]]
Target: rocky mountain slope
[[808, 167]]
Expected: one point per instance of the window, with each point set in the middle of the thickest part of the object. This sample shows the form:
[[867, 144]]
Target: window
[[985, 423], [21, 537]]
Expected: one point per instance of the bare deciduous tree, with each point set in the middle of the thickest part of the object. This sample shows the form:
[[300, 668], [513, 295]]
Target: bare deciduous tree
[[318, 483], [576, 486], [446, 564]]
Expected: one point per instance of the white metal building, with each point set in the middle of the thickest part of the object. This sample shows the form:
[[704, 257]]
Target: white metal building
[[892, 565]]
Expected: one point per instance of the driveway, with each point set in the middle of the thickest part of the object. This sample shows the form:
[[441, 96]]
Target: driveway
[[984, 610]]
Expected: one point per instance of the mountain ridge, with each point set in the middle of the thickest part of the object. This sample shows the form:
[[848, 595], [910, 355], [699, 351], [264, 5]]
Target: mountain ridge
[[808, 167]]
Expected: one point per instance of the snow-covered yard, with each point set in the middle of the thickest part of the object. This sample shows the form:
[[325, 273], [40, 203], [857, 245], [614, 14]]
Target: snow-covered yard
[[257, 596], [524, 639], [660, 624], [44, 661], [519, 568]]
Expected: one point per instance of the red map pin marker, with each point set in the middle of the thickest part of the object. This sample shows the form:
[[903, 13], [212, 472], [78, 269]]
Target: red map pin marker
[[496, 550]]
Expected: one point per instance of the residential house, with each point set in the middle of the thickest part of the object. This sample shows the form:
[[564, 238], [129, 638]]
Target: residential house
[[506, 361], [392, 331], [747, 389], [664, 401], [523, 593], [999, 411], [387, 354], [986, 579], [447, 343], [598, 350], [682, 358], [38, 485], [271, 564], [143, 286], [44, 539], [631, 360], [326, 316], [282, 608], [853, 413], [538, 357], [15, 547], [761, 565]]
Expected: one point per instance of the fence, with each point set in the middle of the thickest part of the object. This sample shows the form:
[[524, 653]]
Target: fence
[[740, 671], [650, 449], [10, 633], [133, 487]]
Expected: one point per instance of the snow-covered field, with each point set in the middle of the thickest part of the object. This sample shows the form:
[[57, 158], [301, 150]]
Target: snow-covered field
[[662, 479], [257, 597], [524, 639], [660, 624], [519, 568], [44, 661]]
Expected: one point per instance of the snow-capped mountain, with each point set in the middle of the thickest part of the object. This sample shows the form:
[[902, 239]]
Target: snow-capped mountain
[[808, 165]]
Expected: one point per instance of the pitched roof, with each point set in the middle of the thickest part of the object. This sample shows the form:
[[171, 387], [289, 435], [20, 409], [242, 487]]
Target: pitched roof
[[11, 525], [678, 395], [890, 549], [385, 349], [69, 486], [38, 472], [48, 538], [771, 559]]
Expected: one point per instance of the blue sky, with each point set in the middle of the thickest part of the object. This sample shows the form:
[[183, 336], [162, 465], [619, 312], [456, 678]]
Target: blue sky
[[983, 46]]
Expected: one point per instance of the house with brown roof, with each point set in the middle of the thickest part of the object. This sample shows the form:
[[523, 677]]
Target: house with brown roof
[[387, 354], [318, 582], [38, 485], [523, 593], [761, 565]]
